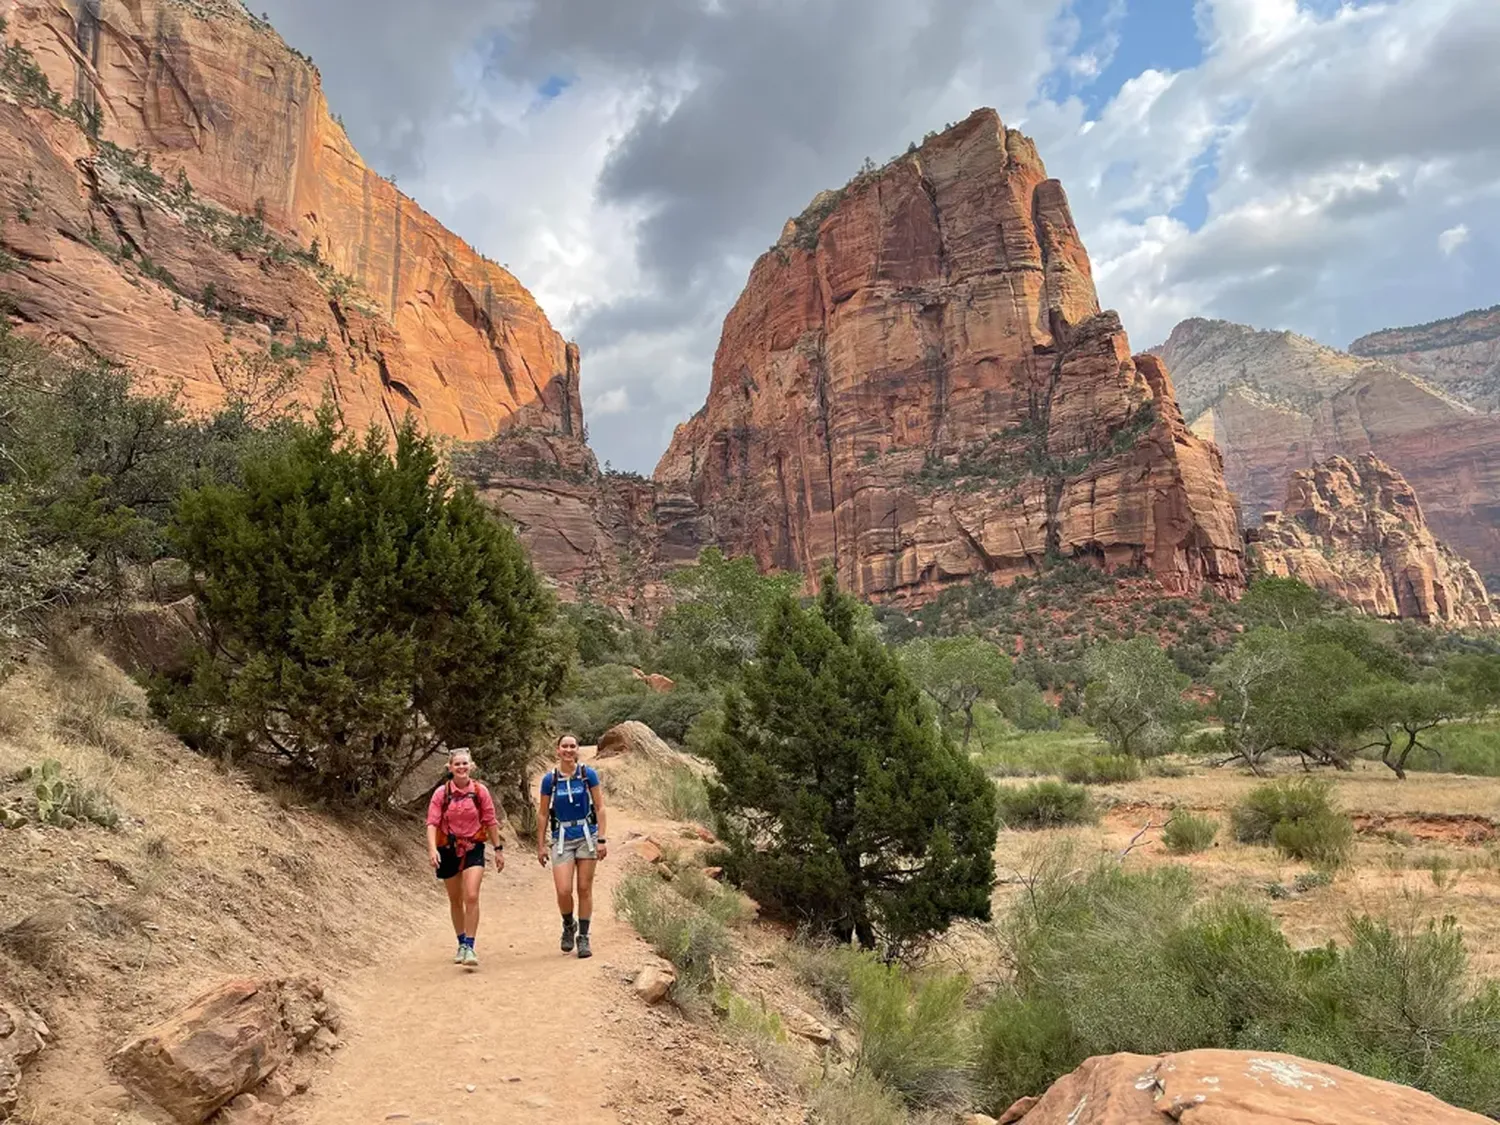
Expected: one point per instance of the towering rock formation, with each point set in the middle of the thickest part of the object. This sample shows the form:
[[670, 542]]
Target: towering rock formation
[[918, 386], [1356, 531], [1461, 354], [1275, 402], [176, 196]]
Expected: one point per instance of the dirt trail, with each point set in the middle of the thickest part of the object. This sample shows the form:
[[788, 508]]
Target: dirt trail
[[531, 1036]]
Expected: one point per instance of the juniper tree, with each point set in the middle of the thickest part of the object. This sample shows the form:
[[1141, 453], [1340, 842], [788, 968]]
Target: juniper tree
[[364, 613], [842, 804]]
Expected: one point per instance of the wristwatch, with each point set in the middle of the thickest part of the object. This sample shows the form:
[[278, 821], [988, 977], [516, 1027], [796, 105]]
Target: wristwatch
[[600, 840]]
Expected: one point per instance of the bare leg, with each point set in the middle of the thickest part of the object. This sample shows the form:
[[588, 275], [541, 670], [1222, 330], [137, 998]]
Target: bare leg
[[471, 880], [586, 887], [454, 887], [562, 883]]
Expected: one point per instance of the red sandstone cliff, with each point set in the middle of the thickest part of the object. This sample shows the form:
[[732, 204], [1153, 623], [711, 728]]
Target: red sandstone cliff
[[182, 234], [918, 386], [1357, 531]]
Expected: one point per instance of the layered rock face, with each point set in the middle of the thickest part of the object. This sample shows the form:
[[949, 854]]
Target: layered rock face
[[1356, 530], [918, 386], [1275, 403], [1461, 354], [608, 537], [176, 197]]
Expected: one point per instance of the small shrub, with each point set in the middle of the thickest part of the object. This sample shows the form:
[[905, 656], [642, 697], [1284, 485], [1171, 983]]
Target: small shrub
[[1024, 1045], [1187, 833], [1297, 816], [686, 935], [827, 971], [1102, 769], [723, 903], [37, 938], [914, 1032], [1045, 804], [861, 1100], [1325, 840], [64, 802]]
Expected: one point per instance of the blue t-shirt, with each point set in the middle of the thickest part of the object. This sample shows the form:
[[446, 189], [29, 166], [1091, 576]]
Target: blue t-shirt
[[570, 801]]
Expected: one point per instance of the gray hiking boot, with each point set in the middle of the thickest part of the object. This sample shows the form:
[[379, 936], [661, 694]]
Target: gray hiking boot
[[569, 929], [583, 946]]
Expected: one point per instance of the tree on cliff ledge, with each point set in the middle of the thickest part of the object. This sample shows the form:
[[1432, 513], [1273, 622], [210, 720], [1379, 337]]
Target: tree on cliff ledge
[[363, 614], [842, 804]]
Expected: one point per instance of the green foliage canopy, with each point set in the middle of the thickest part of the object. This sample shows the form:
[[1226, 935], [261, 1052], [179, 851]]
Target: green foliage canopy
[[364, 614], [956, 673], [842, 805]]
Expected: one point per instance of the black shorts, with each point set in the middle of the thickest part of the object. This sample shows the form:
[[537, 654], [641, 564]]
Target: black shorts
[[449, 864]]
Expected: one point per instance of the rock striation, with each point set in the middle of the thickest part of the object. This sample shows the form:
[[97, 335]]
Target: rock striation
[[918, 387], [1276, 403], [1356, 530], [1461, 354], [177, 197], [1213, 1087]]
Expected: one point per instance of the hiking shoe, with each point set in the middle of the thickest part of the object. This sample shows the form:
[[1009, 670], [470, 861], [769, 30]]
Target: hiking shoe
[[470, 958], [583, 946], [567, 938], [458, 958]]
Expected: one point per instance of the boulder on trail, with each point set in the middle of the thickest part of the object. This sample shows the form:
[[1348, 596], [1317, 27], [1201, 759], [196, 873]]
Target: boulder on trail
[[654, 680], [633, 738], [1212, 1087], [22, 1037], [222, 1045], [653, 982]]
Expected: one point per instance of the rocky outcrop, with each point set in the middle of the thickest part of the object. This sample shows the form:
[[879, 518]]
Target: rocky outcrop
[[1275, 403], [177, 197], [609, 537], [1356, 530], [1461, 354], [223, 1045], [918, 386], [1211, 1087]]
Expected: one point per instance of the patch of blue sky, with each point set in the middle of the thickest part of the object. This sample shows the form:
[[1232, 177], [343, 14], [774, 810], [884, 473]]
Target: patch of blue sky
[[1120, 39]]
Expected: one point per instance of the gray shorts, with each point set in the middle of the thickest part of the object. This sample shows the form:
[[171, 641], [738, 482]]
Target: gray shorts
[[566, 851]]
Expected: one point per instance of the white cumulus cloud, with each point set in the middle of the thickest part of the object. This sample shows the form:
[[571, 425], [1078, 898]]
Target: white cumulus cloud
[[1452, 238]]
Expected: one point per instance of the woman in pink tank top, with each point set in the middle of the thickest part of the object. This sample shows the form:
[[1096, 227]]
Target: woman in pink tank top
[[461, 819]]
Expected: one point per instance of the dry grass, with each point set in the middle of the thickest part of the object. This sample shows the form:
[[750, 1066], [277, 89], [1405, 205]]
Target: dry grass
[[205, 877], [1432, 839]]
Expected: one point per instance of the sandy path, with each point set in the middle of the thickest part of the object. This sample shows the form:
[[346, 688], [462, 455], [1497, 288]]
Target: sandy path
[[531, 1036]]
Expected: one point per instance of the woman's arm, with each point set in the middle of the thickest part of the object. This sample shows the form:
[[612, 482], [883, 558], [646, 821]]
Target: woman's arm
[[432, 848], [541, 829], [596, 794], [492, 831]]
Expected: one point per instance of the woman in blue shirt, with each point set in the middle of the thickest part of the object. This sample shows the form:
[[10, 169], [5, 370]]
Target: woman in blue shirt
[[570, 830]]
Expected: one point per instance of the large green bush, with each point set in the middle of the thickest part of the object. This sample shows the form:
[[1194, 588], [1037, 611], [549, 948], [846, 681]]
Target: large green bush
[[842, 804], [1296, 815], [1045, 804], [365, 613], [1115, 960], [90, 467]]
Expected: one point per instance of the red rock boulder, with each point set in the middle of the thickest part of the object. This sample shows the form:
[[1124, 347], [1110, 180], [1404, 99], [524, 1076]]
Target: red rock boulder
[[222, 1045], [1230, 1088]]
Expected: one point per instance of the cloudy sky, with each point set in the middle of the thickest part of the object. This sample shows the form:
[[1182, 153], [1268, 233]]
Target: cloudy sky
[[1328, 167]]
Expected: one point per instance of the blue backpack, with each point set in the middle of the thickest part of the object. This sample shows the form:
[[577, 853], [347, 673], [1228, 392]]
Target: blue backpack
[[590, 821]]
